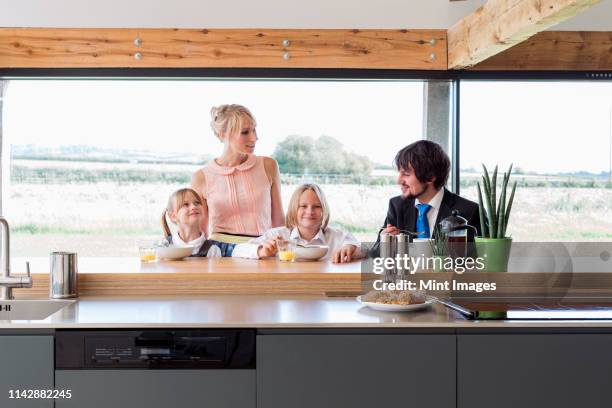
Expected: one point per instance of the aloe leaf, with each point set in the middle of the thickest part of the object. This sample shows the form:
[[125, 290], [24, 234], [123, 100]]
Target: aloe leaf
[[489, 209], [501, 207], [509, 206], [501, 211], [486, 181], [494, 199], [483, 226], [490, 197]]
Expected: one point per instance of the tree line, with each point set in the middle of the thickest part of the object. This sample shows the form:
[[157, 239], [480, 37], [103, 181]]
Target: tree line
[[324, 155]]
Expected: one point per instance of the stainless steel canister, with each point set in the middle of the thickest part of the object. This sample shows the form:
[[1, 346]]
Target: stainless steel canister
[[401, 243], [388, 248], [63, 275]]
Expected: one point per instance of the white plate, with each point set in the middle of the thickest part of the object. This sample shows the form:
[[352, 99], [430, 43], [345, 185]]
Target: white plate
[[397, 308]]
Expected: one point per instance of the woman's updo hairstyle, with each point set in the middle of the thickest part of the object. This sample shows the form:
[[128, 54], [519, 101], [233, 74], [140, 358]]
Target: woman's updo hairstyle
[[227, 119]]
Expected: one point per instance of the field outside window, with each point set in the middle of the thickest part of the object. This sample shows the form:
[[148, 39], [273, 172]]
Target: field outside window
[[91, 163], [558, 136]]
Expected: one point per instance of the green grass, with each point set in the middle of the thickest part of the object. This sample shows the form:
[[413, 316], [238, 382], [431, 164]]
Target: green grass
[[37, 229], [353, 228], [579, 235]]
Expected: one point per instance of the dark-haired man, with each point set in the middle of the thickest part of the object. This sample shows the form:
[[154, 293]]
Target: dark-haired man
[[423, 171]]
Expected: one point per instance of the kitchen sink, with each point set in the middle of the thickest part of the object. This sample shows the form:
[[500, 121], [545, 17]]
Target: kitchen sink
[[31, 309]]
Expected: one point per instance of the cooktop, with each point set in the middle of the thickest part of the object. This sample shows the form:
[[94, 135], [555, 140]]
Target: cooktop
[[532, 309]]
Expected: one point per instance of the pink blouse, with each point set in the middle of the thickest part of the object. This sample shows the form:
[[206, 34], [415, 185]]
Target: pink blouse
[[238, 197]]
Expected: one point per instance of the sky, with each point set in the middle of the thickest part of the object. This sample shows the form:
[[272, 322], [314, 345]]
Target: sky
[[545, 127], [174, 116]]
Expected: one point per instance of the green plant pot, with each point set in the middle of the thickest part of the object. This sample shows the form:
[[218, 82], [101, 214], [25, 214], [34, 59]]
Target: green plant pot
[[495, 253], [438, 263]]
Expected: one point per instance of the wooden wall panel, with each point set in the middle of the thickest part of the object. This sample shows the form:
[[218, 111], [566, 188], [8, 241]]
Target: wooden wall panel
[[243, 48], [556, 51]]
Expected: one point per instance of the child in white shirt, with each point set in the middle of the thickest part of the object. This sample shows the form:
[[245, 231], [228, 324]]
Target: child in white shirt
[[306, 224], [186, 211]]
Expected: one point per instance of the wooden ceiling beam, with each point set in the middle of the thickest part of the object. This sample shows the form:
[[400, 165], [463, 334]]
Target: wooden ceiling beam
[[555, 51], [500, 24], [220, 48]]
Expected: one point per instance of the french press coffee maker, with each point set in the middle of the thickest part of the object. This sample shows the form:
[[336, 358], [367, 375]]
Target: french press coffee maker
[[455, 230]]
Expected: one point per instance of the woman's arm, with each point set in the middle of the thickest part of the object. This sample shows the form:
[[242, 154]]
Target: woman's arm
[[271, 167], [198, 183]]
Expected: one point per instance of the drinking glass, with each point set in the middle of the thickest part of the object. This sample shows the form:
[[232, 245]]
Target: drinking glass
[[286, 250], [147, 251]]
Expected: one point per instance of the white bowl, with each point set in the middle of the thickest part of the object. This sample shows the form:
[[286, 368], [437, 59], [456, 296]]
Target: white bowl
[[174, 252], [311, 253]]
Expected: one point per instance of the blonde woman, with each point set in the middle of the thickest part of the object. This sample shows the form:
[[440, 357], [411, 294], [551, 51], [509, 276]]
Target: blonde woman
[[240, 191], [306, 224]]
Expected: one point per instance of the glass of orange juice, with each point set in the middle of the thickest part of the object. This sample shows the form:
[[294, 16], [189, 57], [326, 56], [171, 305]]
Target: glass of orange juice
[[147, 251], [286, 250]]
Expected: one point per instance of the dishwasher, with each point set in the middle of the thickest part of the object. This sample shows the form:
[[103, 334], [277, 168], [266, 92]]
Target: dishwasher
[[155, 368]]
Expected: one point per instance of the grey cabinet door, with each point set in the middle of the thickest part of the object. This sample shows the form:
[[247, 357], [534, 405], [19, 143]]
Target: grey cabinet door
[[157, 388], [534, 370], [355, 371], [26, 363]]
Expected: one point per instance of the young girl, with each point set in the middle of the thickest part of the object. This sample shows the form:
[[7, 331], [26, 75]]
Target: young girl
[[185, 210], [306, 224]]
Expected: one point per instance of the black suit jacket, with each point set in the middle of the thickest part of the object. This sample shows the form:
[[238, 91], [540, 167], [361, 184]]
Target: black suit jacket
[[403, 213]]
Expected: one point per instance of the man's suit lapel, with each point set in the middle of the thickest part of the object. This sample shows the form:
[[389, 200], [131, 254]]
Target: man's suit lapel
[[410, 215], [446, 206]]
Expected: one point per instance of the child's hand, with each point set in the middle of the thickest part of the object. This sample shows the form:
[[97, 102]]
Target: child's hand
[[268, 248], [344, 254]]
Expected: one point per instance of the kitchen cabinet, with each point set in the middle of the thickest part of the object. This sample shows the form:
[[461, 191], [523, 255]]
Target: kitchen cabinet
[[355, 370], [136, 388], [26, 363], [534, 370]]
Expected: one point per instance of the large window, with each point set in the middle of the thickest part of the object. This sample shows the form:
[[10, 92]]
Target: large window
[[90, 163], [558, 135]]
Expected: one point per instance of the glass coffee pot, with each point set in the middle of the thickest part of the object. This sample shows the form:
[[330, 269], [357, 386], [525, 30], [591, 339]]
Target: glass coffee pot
[[455, 230]]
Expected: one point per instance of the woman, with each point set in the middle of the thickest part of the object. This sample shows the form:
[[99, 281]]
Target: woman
[[240, 191]]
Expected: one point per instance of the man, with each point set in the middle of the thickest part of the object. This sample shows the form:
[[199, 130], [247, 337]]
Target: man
[[423, 171]]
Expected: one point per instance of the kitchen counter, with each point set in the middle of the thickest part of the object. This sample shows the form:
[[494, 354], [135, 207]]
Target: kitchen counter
[[197, 276], [203, 276], [215, 311]]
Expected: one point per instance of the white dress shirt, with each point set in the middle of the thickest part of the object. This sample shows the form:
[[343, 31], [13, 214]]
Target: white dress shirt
[[332, 237], [213, 252], [432, 214]]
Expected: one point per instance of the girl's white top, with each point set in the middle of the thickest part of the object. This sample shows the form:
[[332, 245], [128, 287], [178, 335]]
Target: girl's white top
[[332, 237], [213, 252]]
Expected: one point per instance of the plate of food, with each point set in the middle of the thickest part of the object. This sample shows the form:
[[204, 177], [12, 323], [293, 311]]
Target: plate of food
[[396, 301]]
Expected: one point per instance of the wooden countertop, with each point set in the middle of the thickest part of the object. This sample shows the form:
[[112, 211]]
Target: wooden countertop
[[195, 276], [202, 276]]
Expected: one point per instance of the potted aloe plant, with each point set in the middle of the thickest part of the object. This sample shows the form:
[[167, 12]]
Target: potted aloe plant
[[494, 245], [439, 249]]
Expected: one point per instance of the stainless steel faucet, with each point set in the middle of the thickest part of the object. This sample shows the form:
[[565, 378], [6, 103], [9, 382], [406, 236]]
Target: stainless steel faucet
[[8, 282]]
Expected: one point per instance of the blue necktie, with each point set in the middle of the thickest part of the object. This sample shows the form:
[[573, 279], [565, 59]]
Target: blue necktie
[[422, 224]]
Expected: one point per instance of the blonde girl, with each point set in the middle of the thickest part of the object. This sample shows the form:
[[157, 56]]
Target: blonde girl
[[240, 191], [185, 210], [306, 223]]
